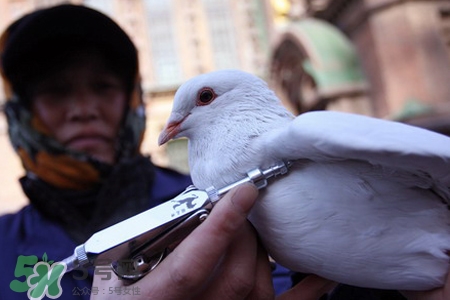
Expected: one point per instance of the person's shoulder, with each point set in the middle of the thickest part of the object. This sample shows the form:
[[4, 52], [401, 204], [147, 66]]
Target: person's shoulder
[[10, 221], [171, 174], [14, 227], [168, 183], [24, 223], [167, 176], [27, 236]]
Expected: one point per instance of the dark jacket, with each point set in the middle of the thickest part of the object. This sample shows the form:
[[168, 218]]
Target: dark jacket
[[27, 236]]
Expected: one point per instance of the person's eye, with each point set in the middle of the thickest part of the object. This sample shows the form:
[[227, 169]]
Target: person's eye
[[102, 86], [54, 90]]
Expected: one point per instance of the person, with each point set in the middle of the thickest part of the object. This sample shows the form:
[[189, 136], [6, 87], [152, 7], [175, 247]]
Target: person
[[76, 119]]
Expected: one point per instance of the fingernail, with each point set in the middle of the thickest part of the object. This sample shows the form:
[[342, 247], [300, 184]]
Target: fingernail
[[244, 197]]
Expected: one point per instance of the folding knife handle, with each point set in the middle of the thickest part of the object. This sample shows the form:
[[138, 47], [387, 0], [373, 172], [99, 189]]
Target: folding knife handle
[[137, 245], [150, 255]]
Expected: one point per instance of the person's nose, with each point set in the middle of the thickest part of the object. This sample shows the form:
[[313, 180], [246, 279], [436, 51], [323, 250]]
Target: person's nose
[[84, 106]]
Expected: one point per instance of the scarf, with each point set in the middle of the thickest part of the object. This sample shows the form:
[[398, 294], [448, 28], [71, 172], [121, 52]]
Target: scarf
[[125, 193]]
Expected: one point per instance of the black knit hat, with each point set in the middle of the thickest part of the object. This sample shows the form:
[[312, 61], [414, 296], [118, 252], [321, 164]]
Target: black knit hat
[[33, 44]]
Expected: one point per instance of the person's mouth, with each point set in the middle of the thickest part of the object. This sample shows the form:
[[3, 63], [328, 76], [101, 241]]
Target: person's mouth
[[87, 141]]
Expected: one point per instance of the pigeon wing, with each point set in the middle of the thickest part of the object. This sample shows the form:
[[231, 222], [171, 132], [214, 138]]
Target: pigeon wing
[[326, 135]]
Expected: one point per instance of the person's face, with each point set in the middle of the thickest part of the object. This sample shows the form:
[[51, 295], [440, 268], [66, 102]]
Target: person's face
[[82, 105]]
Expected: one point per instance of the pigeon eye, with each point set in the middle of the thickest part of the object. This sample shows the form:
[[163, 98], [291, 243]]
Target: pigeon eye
[[205, 96]]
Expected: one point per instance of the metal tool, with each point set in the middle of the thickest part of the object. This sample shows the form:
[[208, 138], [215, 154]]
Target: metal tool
[[135, 246]]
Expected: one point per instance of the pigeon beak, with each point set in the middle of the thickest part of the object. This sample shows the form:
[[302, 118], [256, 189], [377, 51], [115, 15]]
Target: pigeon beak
[[170, 131]]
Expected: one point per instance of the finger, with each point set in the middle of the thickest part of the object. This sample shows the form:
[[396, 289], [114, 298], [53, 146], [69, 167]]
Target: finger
[[188, 267], [435, 294], [236, 277], [263, 288], [101, 286], [311, 288]]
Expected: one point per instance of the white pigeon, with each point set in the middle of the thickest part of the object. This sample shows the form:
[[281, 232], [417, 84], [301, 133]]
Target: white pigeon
[[365, 202]]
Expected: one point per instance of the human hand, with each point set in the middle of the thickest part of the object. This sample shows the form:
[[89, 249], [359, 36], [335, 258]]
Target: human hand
[[442, 293], [310, 288], [220, 259]]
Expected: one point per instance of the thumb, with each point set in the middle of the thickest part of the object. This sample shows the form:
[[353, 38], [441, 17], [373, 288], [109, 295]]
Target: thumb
[[311, 288]]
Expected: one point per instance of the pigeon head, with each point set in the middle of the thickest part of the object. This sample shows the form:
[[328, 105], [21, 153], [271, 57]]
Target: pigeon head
[[206, 100]]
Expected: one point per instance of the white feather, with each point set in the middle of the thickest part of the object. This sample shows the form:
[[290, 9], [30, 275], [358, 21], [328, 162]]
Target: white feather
[[363, 203]]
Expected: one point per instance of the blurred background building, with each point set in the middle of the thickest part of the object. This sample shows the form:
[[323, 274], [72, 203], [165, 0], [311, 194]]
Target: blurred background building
[[385, 58], [403, 51]]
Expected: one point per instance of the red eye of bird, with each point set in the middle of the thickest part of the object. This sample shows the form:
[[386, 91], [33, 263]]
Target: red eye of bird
[[205, 96]]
